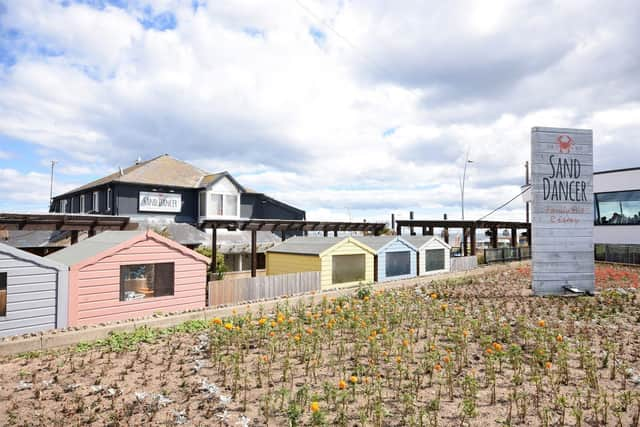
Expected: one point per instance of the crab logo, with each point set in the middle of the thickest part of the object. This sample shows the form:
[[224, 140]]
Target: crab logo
[[565, 142]]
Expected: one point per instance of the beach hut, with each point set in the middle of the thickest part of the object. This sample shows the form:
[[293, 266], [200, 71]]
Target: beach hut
[[341, 261], [120, 275], [33, 293], [395, 257], [433, 254]]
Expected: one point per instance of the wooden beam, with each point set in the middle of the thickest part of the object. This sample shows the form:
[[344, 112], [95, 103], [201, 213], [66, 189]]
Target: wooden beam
[[494, 237], [464, 242], [514, 237], [74, 237], [473, 240], [214, 249], [254, 253]]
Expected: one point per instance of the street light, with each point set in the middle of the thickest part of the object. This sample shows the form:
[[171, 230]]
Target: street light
[[462, 181]]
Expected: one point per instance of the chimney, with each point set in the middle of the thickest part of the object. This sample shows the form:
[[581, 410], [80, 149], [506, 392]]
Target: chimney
[[138, 160]]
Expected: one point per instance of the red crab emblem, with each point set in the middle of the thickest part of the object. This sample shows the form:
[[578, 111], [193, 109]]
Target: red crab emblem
[[565, 142]]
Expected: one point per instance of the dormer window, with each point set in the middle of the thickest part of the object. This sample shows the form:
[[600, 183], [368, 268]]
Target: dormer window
[[221, 199]]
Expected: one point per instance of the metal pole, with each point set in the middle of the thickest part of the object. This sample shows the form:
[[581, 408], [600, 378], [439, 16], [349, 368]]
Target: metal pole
[[53, 163], [526, 181]]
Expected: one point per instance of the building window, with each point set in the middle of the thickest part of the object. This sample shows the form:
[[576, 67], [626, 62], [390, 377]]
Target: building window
[[142, 281], [95, 206], [202, 203], [618, 208], [434, 259], [216, 205], [63, 206], [3, 294], [108, 199], [397, 263], [348, 268], [230, 205], [82, 207]]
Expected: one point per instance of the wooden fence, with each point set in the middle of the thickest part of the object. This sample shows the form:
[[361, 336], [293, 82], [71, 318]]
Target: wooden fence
[[232, 291], [463, 263]]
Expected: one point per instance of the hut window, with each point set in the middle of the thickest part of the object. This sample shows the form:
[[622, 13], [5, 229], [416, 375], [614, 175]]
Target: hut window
[[3, 294], [348, 268], [141, 281], [398, 263], [434, 259]]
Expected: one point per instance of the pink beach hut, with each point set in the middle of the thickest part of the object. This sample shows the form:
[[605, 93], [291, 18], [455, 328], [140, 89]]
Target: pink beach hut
[[120, 275]]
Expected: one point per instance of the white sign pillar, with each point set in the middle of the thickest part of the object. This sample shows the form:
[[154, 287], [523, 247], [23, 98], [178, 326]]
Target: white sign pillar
[[562, 210]]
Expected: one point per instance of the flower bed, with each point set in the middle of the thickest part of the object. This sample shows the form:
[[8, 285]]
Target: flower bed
[[473, 351]]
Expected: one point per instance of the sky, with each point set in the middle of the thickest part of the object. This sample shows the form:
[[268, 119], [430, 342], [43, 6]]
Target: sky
[[346, 109]]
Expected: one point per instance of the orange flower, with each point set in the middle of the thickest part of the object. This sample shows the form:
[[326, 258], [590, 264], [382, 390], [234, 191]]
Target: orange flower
[[309, 331], [405, 343], [353, 379], [398, 359], [216, 321], [228, 326], [273, 324], [412, 331], [297, 337], [262, 321], [465, 333], [265, 358], [437, 367], [497, 346], [342, 385], [559, 338], [444, 307], [446, 359], [489, 351], [315, 406], [547, 365], [434, 295], [272, 334], [541, 323]]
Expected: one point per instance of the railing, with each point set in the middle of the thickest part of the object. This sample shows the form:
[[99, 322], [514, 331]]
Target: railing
[[506, 254], [624, 254], [233, 291]]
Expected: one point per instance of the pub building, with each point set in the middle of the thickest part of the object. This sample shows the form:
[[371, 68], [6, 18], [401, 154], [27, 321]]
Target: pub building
[[165, 193]]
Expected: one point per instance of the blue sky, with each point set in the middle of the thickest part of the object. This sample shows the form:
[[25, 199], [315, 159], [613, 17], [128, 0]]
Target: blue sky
[[358, 108]]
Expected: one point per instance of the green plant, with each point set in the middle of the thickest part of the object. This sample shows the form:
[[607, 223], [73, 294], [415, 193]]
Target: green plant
[[220, 267]]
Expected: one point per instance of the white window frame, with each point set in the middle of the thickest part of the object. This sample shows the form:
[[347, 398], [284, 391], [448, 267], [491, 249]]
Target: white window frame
[[82, 204], [63, 205], [109, 199], [95, 202], [222, 195]]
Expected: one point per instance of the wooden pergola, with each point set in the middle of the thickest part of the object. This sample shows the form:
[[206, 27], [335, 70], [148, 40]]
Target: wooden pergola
[[468, 230], [64, 222], [283, 226]]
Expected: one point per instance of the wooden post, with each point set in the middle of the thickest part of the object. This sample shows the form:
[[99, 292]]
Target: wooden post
[[214, 249], [283, 235], [424, 231], [464, 241], [494, 237], [375, 268], [514, 237], [393, 221], [254, 253], [446, 231], [411, 232], [335, 233], [430, 231], [398, 230], [529, 235], [325, 232], [74, 237], [417, 263], [473, 240], [92, 231]]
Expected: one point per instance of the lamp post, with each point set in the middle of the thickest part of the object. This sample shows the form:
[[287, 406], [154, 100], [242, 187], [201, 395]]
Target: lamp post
[[462, 181], [53, 163]]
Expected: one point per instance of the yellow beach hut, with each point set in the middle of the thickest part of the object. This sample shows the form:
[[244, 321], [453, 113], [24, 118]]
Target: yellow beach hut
[[341, 261]]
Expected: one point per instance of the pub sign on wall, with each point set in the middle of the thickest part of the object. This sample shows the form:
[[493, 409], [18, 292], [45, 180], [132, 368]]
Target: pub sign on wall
[[562, 217], [159, 202]]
